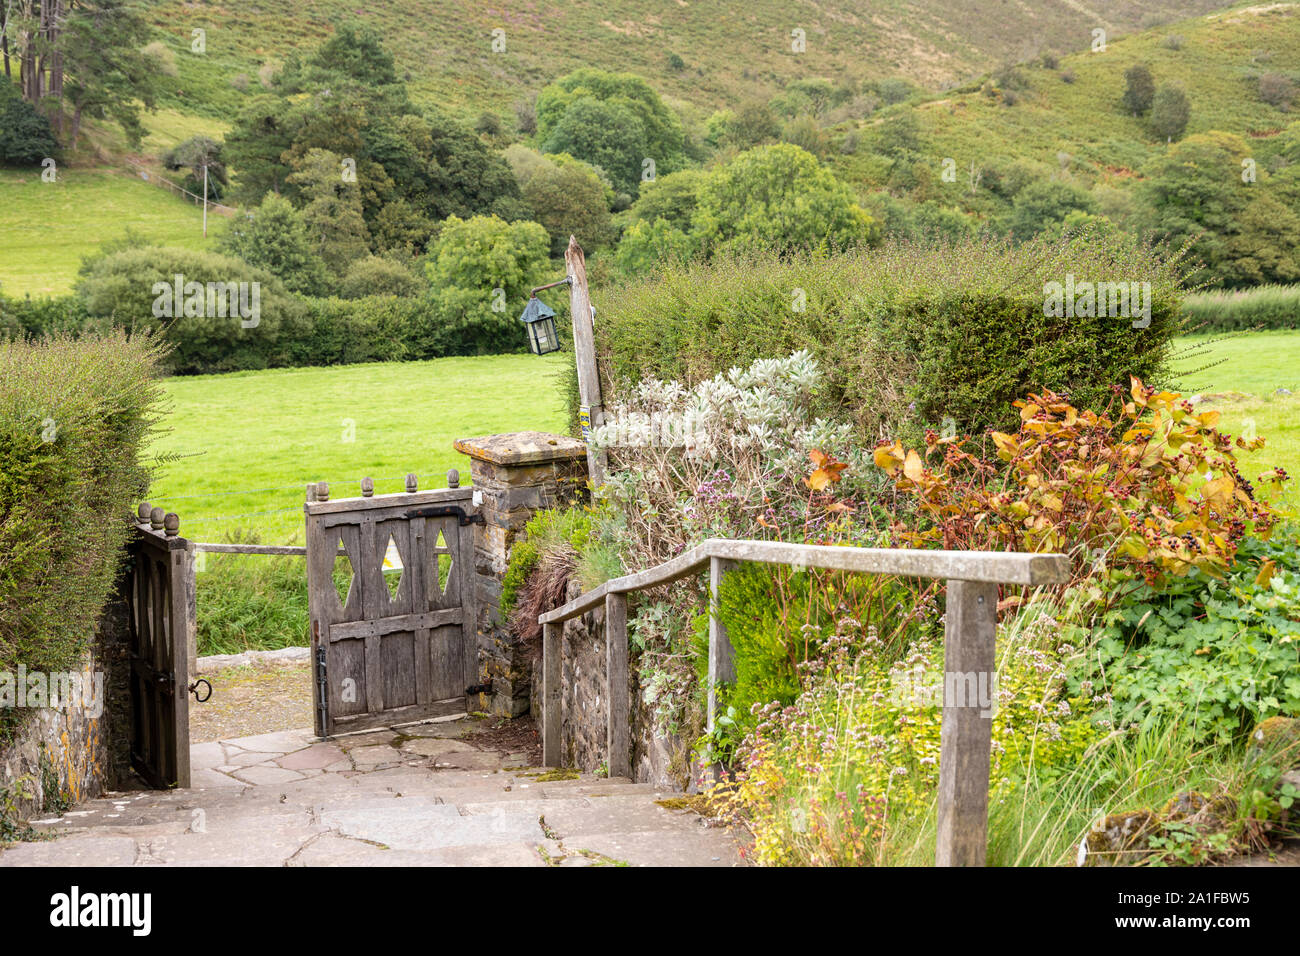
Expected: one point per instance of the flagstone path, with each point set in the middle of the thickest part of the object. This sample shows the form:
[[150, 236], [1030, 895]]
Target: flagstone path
[[435, 794]]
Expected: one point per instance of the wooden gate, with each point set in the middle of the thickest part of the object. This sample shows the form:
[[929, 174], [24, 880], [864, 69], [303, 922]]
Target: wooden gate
[[156, 588], [397, 645]]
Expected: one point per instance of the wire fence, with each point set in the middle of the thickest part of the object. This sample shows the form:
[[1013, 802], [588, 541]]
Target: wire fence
[[262, 523], [163, 182]]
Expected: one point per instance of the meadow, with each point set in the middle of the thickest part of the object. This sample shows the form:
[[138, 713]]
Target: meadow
[[47, 228], [1254, 382]]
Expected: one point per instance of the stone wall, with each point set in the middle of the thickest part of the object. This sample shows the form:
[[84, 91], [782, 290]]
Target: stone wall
[[75, 752], [514, 476]]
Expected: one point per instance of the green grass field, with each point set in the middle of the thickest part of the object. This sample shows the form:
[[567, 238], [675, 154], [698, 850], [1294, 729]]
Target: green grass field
[[251, 441], [46, 228], [1243, 385]]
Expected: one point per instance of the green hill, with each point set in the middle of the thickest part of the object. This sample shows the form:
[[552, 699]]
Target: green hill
[[46, 228], [728, 49], [1071, 117]]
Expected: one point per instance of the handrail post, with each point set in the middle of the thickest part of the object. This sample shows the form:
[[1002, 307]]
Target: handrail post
[[722, 656], [552, 661], [618, 728], [965, 737]]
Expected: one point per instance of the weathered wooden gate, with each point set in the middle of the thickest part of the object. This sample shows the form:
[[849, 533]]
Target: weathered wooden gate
[[156, 589], [401, 646]]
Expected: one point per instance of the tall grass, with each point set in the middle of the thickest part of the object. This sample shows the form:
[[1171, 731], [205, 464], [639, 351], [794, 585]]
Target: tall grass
[[1264, 307]]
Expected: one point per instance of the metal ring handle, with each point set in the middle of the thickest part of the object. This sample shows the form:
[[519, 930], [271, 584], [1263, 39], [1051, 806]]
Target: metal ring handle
[[194, 691]]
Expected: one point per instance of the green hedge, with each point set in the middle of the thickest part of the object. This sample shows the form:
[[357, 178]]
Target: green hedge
[[294, 331], [75, 416], [906, 336], [1266, 307]]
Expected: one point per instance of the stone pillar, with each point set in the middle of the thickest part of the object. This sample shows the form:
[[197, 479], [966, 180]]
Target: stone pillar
[[514, 475]]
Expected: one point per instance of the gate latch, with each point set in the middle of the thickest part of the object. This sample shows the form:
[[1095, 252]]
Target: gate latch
[[446, 511], [194, 689], [484, 688]]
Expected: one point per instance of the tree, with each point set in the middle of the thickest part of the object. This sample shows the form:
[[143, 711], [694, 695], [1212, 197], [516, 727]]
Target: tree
[[754, 124], [332, 210], [25, 135], [412, 169], [777, 197], [607, 135], [263, 133], [1195, 195], [197, 154], [353, 56], [375, 276], [612, 120], [565, 195], [85, 57], [1170, 111], [481, 270], [1043, 206], [1139, 89], [275, 238], [484, 253], [671, 198], [646, 244]]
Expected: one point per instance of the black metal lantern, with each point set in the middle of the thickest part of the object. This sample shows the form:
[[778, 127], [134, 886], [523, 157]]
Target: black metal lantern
[[540, 319]]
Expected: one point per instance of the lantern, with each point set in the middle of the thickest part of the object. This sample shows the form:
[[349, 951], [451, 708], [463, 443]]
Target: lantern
[[540, 319]]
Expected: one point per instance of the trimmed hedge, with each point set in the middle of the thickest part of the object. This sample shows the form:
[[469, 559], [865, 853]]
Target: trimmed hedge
[[1264, 307], [906, 335], [75, 417], [295, 331]]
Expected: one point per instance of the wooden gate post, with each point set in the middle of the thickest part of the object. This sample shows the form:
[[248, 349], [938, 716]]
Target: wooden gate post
[[969, 696], [584, 347]]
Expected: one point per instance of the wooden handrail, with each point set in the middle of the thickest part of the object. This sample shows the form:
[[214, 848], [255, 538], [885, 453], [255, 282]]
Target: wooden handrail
[[998, 567], [970, 665]]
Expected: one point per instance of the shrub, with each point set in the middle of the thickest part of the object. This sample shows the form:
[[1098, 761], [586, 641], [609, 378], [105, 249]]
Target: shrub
[[128, 286], [1218, 655], [1276, 89], [376, 276], [35, 317], [1122, 488], [1170, 111], [1139, 89], [25, 135], [905, 335], [1267, 307], [75, 419]]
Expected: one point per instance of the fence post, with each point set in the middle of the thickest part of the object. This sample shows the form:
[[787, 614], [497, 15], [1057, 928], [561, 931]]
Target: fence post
[[552, 661], [619, 728], [722, 663], [969, 695]]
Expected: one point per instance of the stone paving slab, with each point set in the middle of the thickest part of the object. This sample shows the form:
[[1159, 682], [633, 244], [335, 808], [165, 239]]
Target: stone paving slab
[[88, 851], [431, 828], [642, 848], [420, 796]]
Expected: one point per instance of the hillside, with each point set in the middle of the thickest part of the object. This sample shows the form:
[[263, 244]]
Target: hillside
[[46, 228], [1070, 117], [729, 49]]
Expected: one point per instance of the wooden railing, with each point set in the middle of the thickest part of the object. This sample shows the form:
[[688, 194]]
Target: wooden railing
[[970, 625]]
